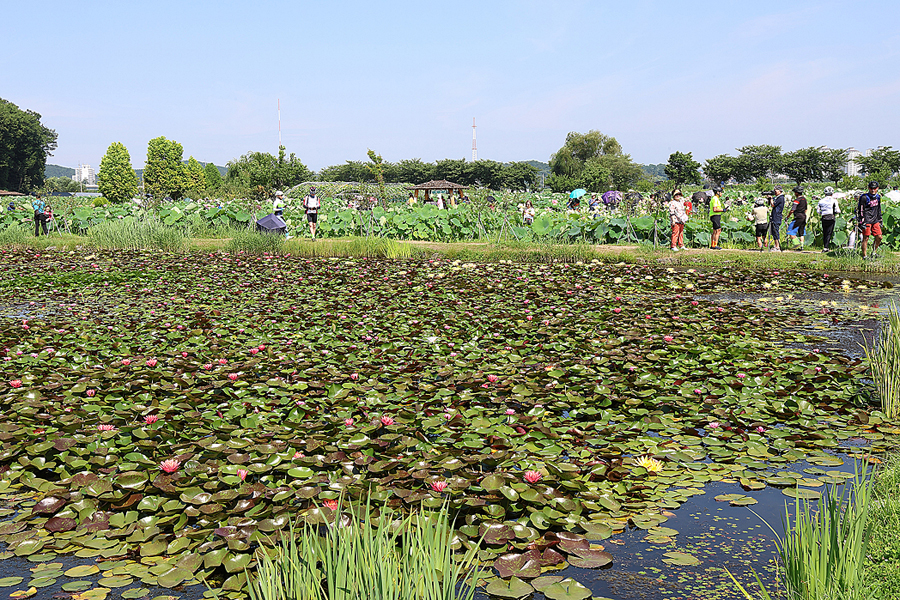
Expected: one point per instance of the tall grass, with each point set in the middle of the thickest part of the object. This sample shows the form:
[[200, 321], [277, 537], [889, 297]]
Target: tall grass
[[252, 242], [822, 554], [371, 247], [884, 362], [137, 233], [360, 558], [883, 565]]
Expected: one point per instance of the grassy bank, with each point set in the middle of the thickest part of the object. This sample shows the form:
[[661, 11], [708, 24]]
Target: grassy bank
[[882, 572], [487, 251]]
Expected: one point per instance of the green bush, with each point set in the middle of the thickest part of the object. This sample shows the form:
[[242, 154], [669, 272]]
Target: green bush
[[137, 233]]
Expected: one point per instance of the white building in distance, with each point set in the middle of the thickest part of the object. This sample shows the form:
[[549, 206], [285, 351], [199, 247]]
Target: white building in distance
[[852, 168], [84, 173]]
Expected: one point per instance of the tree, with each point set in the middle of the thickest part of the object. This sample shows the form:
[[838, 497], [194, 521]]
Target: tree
[[60, 184], [835, 164], [375, 166], [568, 163], [213, 177], [194, 180], [756, 162], [164, 172], [805, 164], [719, 169], [595, 177], [881, 164], [486, 173], [260, 173], [352, 170], [290, 171], [519, 176], [414, 171], [623, 172], [682, 168], [116, 178], [25, 145], [452, 170]]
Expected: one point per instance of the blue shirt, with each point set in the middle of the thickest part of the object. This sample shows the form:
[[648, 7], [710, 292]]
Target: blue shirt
[[777, 208], [38, 204]]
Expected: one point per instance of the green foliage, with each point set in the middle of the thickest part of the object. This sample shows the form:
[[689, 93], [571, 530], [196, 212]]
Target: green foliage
[[213, 177], [141, 232], [884, 363], [595, 177], [116, 178], [721, 168], [682, 168], [252, 242], [59, 184], [881, 164], [258, 174], [25, 145], [385, 558], [164, 172], [805, 164], [882, 572], [194, 179], [756, 162], [375, 167]]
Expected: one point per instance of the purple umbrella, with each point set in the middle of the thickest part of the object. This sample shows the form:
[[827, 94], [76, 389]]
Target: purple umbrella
[[611, 197]]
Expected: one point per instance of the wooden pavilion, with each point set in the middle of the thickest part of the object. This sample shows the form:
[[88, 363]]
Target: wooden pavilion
[[437, 185]]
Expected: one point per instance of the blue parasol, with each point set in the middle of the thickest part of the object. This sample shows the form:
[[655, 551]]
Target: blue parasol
[[577, 193]]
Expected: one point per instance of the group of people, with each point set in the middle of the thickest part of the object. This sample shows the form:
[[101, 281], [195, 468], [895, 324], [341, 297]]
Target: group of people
[[767, 224], [311, 205]]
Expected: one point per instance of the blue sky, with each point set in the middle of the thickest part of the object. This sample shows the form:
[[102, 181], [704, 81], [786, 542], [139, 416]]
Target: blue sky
[[406, 78]]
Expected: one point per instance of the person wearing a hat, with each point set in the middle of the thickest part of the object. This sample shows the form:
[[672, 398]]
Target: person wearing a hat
[[311, 205], [678, 217], [868, 213], [760, 218], [798, 210], [278, 203], [775, 221], [828, 209]]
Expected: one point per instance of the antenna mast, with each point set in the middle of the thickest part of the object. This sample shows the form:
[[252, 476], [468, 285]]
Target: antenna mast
[[474, 150], [279, 123]]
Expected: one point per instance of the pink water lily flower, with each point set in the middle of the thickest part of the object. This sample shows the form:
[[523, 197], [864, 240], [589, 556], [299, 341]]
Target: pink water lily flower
[[106, 427], [170, 465], [207, 366], [741, 375], [714, 425], [617, 310], [233, 376], [242, 473], [386, 420], [298, 454], [125, 362], [354, 376], [510, 411], [439, 486], [492, 378], [760, 429], [348, 422], [90, 393], [152, 362], [151, 419], [668, 339], [254, 350], [532, 476], [332, 504], [15, 383], [222, 361]]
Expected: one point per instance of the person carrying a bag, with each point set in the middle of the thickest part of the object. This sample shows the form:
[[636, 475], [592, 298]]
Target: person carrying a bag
[[311, 206]]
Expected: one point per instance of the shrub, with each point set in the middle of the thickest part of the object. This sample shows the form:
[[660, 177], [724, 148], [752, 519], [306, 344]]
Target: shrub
[[137, 233]]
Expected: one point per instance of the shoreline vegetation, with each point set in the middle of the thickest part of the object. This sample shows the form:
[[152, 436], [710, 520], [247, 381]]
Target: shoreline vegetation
[[841, 260]]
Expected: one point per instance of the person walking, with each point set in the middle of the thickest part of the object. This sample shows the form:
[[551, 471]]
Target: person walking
[[798, 209], [678, 217], [759, 215], [828, 209], [716, 209], [775, 221], [528, 213], [868, 213], [311, 205], [278, 204]]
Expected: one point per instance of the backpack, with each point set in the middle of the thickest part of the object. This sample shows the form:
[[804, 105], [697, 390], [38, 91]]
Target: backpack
[[312, 203]]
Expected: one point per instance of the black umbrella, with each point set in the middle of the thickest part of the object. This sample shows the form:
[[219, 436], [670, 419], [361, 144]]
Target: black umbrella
[[271, 224]]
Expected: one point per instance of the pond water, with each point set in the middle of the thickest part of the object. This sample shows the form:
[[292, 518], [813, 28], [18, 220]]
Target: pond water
[[707, 530]]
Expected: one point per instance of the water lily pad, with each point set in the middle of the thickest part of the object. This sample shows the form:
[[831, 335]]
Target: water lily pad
[[116, 581], [802, 493], [514, 588], [83, 571], [681, 559], [10, 581], [77, 586], [567, 589]]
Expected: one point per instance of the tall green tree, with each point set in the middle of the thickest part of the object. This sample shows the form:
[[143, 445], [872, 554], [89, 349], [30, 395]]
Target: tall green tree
[[213, 177], [682, 168], [805, 164], [415, 171], [454, 170], [289, 170], [164, 171], [25, 145], [194, 180], [834, 165], [720, 169], [260, 173], [756, 162], [375, 166], [881, 164], [604, 152], [116, 178], [595, 176], [519, 176]]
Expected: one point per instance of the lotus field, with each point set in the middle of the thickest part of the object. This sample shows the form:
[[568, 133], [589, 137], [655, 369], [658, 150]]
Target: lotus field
[[176, 413]]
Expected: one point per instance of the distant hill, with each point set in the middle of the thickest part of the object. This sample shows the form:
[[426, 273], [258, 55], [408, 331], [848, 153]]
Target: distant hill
[[58, 171]]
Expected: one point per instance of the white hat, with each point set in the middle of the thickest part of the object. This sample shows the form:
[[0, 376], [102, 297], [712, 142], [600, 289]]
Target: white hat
[[279, 193]]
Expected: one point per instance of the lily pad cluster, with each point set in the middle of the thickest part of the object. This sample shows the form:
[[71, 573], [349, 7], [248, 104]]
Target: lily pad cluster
[[182, 411]]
